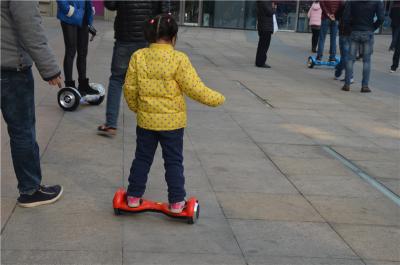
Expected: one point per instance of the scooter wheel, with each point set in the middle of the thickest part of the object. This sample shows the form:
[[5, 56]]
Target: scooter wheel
[[310, 63], [117, 211], [68, 99], [97, 102], [196, 213]]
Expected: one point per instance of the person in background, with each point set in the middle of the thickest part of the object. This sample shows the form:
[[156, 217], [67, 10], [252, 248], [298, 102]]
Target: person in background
[[344, 43], [75, 17], [24, 42], [395, 24], [360, 16], [128, 27], [328, 22], [265, 27], [314, 14]]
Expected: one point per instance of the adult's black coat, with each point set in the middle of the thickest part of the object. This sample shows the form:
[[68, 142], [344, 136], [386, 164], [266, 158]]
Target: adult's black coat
[[265, 13], [128, 25]]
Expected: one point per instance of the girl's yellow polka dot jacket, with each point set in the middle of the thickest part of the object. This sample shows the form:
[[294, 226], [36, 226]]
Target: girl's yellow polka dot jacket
[[155, 84]]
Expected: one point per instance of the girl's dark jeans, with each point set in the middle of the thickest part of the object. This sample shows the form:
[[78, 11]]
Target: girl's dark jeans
[[172, 151]]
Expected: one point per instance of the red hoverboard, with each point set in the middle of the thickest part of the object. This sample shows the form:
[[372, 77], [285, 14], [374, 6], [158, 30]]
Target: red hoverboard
[[190, 213]]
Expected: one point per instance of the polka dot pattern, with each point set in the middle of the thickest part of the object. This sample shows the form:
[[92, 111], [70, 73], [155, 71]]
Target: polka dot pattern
[[155, 84]]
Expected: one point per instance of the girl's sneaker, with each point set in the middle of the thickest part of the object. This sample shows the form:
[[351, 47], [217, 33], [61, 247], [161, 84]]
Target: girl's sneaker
[[177, 207], [133, 202]]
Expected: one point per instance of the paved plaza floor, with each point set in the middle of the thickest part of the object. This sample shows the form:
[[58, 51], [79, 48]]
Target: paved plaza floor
[[270, 191]]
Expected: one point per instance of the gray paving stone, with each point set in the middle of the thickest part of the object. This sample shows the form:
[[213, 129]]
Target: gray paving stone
[[7, 206], [368, 210], [163, 234], [267, 207], [381, 169], [295, 151], [271, 260], [61, 257], [228, 174], [145, 258], [369, 154], [381, 262], [306, 166], [273, 238], [335, 186], [372, 242], [76, 231]]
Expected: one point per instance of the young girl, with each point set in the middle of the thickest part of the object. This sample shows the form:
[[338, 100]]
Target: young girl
[[155, 84]]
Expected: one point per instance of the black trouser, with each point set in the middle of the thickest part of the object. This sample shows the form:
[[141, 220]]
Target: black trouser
[[396, 55], [76, 40], [315, 37], [263, 46]]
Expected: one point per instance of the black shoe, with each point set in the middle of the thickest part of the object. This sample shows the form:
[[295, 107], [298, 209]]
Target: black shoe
[[70, 84], [314, 50], [318, 58], [264, 66], [44, 195], [85, 89], [365, 89], [346, 88]]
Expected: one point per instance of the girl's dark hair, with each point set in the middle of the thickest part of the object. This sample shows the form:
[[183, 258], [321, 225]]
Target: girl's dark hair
[[162, 26]]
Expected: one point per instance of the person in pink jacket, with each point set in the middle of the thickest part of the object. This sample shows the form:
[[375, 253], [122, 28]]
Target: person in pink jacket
[[314, 14]]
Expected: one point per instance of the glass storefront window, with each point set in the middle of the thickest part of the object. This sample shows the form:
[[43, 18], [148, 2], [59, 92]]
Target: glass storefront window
[[286, 14], [302, 24]]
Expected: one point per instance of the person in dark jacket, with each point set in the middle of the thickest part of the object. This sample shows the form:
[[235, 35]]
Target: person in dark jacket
[[395, 24], [360, 16], [265, 27], [328, 22], [75, 17], [23, 41], [395, 16], [129, 37], [344, 42]]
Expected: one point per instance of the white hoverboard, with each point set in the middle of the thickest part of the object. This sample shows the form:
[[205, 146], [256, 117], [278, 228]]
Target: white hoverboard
[[69, 98]]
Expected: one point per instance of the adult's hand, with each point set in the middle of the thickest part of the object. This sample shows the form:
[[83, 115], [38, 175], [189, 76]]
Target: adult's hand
[[56, 81], [332, 17]]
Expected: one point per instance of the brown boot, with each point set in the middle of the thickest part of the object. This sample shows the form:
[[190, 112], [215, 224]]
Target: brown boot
[[346, 88], [365, 89]]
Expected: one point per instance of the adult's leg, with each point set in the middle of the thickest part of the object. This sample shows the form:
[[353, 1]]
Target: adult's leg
[[82, 48], [396, 55], [342, 64], [333, 33], [146, 145], [121, 56], [18, 108], [350, 60], [262, 48], [172, 150], [368, 47], [322, 36], [70, 33]]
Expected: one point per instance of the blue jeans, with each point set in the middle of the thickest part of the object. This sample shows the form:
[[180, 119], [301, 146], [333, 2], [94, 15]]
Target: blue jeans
[[365, 41], [172, 152], [325, 25], [344, 46], [122, 53], [18, 108]]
